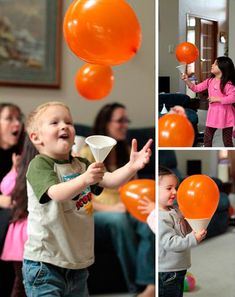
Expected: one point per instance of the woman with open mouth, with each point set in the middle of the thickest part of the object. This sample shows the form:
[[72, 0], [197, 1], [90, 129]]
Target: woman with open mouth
[[11, 143]]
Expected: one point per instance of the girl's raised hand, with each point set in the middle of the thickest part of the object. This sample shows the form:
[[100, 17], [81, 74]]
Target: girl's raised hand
[[138, 160], [184, 76]]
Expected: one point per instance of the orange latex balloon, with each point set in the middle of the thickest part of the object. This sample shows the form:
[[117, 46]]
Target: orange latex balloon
[[186, 52], [94, 82], [198, 197], [133, 191], [102, 31], [175, 131]]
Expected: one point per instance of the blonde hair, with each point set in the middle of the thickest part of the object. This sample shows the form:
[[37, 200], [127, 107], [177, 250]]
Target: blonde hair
[[32, 121]]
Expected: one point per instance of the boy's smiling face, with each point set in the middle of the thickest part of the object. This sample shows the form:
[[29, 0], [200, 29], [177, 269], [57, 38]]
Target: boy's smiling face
[[55, 135]]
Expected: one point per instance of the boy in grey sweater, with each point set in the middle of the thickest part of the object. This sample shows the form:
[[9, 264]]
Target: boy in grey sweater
[[175, 238]]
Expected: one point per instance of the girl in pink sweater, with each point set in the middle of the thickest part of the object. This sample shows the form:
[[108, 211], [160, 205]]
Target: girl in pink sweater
[[221, 96], [14, 185]]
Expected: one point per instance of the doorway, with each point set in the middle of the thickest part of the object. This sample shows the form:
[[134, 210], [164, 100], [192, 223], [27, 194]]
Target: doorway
[[203, 33]]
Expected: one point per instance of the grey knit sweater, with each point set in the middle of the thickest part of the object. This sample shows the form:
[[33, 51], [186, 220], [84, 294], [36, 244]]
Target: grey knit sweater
[[175, 240]]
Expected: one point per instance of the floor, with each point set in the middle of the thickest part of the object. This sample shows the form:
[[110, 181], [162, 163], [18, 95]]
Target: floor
[[213, 266], [113, 295]]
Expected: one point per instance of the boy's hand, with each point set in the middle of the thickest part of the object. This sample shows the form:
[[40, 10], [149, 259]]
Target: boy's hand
[[200, 235], [146, 205], [94, 173], [139, 159]]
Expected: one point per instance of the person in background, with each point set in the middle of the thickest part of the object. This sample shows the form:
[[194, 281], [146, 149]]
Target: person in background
[[133, 241], [11, 143], [221, 96], [14, 185]]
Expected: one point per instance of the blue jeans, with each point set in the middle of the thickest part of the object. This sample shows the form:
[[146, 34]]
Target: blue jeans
[[134, 244], [43, 279], [171, 284]]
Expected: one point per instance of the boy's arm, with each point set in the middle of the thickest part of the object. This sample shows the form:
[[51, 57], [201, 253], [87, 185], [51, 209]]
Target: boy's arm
[[171, 241], [123, 174], [46, 184], [70, 189]]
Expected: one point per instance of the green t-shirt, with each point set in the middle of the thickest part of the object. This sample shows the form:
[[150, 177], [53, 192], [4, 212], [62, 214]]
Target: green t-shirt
[[59, 232]]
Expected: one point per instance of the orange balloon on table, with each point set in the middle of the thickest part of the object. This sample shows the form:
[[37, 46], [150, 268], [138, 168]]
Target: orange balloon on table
[[102, 31], [175, 131], [186, 52], [135, 190], [198, 197], [94, 81]]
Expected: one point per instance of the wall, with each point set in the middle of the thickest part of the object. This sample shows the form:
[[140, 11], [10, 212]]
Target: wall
[[231, 39], [173, 20], [133, 86], [208, 158]]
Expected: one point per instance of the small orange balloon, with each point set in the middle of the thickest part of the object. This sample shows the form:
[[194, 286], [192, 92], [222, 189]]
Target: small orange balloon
[[94, 82], [102, 31], [198, 197], [186, 52], [175, 131], [135, 190]]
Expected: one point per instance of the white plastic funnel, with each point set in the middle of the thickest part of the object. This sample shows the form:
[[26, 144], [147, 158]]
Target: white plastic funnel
[[79, 142], [100, 146], [164, 109], [198, 224], [181, 68]]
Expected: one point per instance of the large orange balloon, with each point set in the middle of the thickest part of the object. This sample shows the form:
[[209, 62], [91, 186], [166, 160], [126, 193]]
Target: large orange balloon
[[186, 52], [94, 81], [175, 131], [135, 190], [198, 197], [102, 31]]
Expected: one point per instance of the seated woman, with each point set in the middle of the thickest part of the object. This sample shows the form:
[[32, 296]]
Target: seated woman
[[132, 240]]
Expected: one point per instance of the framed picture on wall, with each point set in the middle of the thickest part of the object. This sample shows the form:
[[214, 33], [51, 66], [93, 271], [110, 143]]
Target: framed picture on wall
[[30, 43]]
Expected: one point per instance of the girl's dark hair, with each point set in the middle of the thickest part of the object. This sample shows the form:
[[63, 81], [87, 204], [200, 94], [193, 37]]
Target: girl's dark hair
[[19, 146], [19, 194], [226, 66], [163, 171], [100, 127]]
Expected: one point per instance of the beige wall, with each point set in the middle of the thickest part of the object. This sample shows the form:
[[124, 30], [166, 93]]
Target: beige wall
[[134, 80], [208, 159], [173, 31], [231, 39]]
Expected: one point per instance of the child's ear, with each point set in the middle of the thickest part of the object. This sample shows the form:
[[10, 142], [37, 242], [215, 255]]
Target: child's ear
[[34, 137]]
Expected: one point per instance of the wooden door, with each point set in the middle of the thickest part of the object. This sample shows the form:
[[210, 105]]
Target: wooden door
[[206, 42], [203, 33]]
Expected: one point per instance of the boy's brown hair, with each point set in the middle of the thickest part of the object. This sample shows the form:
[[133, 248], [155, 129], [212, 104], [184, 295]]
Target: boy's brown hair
[[33, 117]]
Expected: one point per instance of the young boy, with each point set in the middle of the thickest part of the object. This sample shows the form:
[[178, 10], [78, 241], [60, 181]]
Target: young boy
[[60, 222]]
